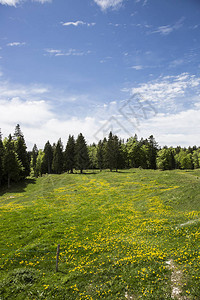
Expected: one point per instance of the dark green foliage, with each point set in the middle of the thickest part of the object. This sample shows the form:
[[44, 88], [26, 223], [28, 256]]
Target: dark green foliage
[[11, 164], [1, 158], [69, 154], [82, 157], [20, 149], [57, 164], [34, 155], [48, 158], [100, 155], [152, 152]]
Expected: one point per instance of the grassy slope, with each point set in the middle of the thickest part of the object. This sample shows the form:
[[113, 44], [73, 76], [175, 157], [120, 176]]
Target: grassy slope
[[116, 232]]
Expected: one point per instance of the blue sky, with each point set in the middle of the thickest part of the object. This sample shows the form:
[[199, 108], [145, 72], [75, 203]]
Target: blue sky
[[91, 66]]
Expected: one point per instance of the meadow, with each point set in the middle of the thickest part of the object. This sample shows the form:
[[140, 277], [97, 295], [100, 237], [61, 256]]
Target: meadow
[[132, 234]]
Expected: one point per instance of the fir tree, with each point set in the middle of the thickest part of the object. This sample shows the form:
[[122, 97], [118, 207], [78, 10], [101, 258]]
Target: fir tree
[[69, 155], [100, 155], [48, 158], [57, 164], [82, 158], [1, 158], [20, 148], [34, 155], [12, 165]]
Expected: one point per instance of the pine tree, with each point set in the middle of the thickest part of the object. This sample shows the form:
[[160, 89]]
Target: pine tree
[[57, 164], [20, 148], [69, 155], [82, 158], [12, 165], [48, 158]]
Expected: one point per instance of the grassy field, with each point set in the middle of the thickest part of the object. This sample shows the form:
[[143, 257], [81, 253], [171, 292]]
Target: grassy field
[[134, 234]]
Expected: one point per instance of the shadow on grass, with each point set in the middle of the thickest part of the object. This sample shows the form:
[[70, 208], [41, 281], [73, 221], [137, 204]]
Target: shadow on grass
[[17, 187]]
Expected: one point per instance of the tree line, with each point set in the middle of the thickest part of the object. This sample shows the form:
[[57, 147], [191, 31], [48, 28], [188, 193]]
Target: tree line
[[16, 163]]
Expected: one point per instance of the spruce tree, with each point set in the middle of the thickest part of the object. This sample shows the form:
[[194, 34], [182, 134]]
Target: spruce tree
[[100, 155], [12, 165], [69, 154], [1, 158], [48, 158], [57, 164], [111, 151], [152, 152], [20, 148], [34, 155], [82, 158]]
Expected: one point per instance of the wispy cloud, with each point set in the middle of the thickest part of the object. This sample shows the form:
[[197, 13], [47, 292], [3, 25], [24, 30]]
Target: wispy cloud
[[10, 2], [70, 52], [105, 4], [15, 2], [42, 1], [137, 68], [171, 93], [77, 23], [167, 29], [16, 44]]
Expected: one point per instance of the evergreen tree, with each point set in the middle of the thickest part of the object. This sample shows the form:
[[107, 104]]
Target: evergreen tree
[[82, 158], [69, 154], [113, 154], [1, 159], [12, 165], [34, 155], [109, 157], [20, 148], [57, 164], [48, 158], [100, 155], [152, 152]]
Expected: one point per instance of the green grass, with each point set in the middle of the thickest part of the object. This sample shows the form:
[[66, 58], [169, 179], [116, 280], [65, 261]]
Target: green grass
[[116, 232]]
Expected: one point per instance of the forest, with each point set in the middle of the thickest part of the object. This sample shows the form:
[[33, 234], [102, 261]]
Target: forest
[[113, 153]]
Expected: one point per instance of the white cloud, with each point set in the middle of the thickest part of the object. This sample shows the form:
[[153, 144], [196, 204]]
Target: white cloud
[[15, 2], [105, 4], [167, 29], [77, 23], [139, 67], [16, 44], [182, 128], [70, 52], [165, 91], [42, 1], [43, 113], [9, 2]]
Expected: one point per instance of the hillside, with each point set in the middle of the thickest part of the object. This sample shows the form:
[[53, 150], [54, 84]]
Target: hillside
[[127, 235]]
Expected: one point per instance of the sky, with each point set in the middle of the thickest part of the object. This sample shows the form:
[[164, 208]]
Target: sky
[[95, 66]]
